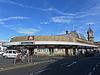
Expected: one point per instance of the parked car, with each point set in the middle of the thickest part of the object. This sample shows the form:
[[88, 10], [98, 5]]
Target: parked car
[[89, 54], [10, 54]]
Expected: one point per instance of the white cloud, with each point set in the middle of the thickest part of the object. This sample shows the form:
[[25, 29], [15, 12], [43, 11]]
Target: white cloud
[[55, 10], [3, 20], [90, 23], [11, 18], [26, 6], [44, 22], [59, 12], [14, 3], [28, 31], [60, 19], [65, 18], [69, 18], [73, 15], [23, 30], [98, 7], [21, 5], [41, 9]]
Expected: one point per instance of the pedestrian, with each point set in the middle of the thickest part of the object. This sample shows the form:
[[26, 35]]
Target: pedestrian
[[22, 58], [18, 58], [27, 52]]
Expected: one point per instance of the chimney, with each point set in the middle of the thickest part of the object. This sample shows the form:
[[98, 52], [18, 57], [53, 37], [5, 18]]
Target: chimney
[[66, 32]]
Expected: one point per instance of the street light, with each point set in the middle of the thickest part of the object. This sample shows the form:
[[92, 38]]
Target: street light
[[37, 51]]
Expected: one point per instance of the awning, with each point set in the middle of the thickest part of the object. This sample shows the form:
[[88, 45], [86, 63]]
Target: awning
[[49, 43]]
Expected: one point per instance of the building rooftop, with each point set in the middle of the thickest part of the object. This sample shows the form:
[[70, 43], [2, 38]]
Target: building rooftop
[[70, 37], [76, 35]]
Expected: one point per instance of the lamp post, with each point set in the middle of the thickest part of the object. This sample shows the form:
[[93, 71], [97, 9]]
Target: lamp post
[[28, 55], [37, 52]]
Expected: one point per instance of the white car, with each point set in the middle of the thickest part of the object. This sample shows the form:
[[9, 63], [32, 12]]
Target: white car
[[10, 54]]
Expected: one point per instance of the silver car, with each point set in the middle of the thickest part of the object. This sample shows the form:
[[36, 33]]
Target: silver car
[[10, 54]]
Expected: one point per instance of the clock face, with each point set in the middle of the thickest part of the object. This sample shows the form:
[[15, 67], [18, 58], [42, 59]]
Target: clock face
[[91, 34], [30, 38]]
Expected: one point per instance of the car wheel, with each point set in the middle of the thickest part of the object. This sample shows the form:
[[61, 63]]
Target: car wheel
[[5, 57]]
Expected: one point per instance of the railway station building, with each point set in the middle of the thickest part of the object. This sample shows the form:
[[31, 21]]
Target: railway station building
[[69, 44]]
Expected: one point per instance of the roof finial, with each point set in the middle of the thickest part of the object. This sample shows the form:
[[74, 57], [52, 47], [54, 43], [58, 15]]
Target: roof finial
[[89, 25], [90, 29]]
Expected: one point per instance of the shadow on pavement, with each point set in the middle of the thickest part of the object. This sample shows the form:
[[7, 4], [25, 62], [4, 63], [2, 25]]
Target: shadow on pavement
[[58, 67]]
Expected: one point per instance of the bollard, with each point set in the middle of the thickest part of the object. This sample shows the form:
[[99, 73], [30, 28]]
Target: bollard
[[28, 59], [14, 60], [31, 59]]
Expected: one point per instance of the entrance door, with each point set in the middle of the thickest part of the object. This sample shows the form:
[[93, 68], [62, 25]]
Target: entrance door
[[31, 51], [51, 51], [66, 51]]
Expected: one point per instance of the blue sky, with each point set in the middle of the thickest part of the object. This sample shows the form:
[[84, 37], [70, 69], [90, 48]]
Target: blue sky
[[48, 17]]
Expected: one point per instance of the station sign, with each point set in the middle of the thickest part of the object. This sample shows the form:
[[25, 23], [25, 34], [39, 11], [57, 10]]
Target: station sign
[[27, 43]]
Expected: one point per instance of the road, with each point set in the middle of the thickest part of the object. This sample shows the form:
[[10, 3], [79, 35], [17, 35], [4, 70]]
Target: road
[[4, 63], [64, 66]]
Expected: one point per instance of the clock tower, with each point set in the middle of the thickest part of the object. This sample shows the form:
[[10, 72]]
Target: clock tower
[[90, 35]]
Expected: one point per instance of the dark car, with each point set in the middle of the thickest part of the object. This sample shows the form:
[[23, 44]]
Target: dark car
[[89, 54]]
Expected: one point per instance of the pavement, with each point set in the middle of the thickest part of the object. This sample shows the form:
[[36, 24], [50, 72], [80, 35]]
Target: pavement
[[60, 66], [6, 64]]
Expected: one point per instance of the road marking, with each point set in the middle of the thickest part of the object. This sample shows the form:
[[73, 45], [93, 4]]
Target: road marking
[[94, 68], [71, 64], [31, 74], [42, 70], [64, 64], [90, 73], [96, 65]]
